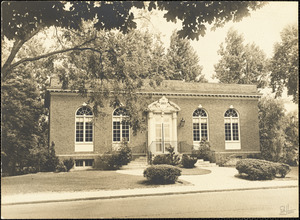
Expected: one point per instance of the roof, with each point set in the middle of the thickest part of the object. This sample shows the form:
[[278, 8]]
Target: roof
[[177, 86]]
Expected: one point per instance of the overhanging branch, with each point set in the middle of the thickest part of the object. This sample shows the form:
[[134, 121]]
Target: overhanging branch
[[78, 47]]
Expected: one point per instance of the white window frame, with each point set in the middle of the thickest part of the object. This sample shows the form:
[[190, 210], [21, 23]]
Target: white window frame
[[84, 146], [232, 144], [84, 166], [196, 143], [119, 118]]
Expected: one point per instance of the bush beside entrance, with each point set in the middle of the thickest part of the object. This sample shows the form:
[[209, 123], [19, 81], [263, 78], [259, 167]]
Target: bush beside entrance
[[162, 174]]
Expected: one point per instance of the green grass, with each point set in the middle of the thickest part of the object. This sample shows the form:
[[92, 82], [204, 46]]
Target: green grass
[[194, 171], [72, 181], [87, 180]]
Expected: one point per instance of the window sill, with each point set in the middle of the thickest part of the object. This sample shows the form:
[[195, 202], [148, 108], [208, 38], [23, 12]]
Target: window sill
[[232, 145], [84, 147]]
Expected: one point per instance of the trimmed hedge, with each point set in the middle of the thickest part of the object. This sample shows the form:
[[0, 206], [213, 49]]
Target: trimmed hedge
[[160, 159], [108, 162], [187, 161], [261, 169], [115, 159], [171, 158], [162, 174]]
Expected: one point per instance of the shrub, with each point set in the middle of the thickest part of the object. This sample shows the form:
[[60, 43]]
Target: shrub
[[172, 158], [108, 161], [51, 160], [227, 160], [61, 167], [282, 169], [162, 174], [187, 161], [125, 154], [160, 159], [204, 152], [261, 169], [69, 163], [254, 156]]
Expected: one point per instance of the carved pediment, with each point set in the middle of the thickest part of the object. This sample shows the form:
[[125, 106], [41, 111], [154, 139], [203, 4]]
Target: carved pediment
[[163, 105]]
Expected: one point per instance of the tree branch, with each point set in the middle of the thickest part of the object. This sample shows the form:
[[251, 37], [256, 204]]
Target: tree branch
[[16, 47], [78, 47]]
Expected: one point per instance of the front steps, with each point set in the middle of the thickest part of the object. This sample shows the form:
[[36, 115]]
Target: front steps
[[202, 163], [138, 163], [141, 163]]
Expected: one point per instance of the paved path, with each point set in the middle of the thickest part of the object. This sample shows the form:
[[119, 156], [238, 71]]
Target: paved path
[[220, 179]]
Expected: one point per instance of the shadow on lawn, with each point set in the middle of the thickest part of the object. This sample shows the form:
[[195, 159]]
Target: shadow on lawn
[[149, 183], [245, 177]]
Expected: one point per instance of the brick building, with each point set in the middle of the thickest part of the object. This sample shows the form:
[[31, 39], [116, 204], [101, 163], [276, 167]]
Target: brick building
[[179, 114]]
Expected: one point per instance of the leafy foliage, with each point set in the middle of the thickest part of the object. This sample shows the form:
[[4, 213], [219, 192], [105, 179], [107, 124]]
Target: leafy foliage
[[204, 152], [125, 154], [188, 161], [115, 159], [241, 64], [183, 61], [23, 20], [69, 163], [171, 158], [160, 159], [279, 136], [107, 162], [162, 174], [51, 160], [61, 167], [291, 144], [261, 169], [21, 110], [284, 65], [272, 137]]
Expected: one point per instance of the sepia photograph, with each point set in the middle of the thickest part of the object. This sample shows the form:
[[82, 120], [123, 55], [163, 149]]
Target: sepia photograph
[[149, 109]]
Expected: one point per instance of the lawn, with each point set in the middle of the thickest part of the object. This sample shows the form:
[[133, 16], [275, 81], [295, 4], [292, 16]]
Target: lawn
[[87, 180]]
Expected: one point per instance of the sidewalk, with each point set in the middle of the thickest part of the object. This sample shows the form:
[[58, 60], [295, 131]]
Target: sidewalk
[[220, 179]]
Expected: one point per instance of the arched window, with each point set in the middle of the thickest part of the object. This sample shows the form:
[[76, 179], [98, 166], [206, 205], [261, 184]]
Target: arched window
[[120, 125], [231, 120], [84, 125], [200, 122]]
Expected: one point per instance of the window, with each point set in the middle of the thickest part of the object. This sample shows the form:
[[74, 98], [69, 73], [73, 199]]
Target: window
[[200, 122], [231, 120], [120, 125], [84, 125], [84, 163]]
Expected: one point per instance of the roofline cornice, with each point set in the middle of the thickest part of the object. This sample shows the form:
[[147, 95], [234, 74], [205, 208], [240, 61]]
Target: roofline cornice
[[257, 95]]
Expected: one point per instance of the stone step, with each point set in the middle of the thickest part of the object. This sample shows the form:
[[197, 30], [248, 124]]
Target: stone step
[[137, 164], [207, 165], [140, 159], [126, 167]]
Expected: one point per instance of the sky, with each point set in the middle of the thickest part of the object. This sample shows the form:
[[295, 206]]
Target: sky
[[262, 27]]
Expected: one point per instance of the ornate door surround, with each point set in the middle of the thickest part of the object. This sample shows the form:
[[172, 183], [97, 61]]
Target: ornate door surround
[[160, 112]]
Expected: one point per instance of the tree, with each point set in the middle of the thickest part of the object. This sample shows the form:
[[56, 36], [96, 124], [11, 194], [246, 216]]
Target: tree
[[291, 148], [271, 128], [183, 61], [284, 65], [23, 20], [21, 110], [241, 64], [115, 70]]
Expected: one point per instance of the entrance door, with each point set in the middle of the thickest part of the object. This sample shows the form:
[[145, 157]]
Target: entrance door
[[163, 131]]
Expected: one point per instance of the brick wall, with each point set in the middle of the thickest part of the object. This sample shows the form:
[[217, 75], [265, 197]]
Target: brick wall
[[64, 105]]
